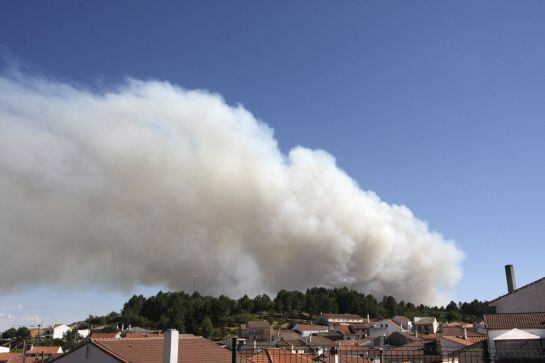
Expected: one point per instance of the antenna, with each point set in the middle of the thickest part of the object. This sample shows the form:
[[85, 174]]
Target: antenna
[[194, 282]]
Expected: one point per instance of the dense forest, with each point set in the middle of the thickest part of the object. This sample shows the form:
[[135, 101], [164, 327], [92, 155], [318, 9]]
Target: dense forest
[[212, 316]]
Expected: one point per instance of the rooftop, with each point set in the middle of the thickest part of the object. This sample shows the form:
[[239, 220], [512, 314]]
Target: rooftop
[[515, 320]]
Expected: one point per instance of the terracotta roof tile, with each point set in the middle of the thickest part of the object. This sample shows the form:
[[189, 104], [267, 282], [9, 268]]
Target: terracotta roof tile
[[45, 350], [515, 320], [147, 350], [277, 355]]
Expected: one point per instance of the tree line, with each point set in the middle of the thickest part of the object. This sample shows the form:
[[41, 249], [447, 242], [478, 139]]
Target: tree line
[[213, 317], [210, 316]]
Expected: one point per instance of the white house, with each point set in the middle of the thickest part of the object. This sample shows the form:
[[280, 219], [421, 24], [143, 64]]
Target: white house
[[384, 327], [526, 299], [306, 330], [425, 325], [405, 323], [56, 331], [4, 350], [330, 319]]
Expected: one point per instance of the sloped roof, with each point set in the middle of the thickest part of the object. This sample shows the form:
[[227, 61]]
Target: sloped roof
[[462, 341], [45, 350], [145, 350], [515, 320], [277, 355], [11, 357], [517, 334], [311, 327], [517, 290], [342, 316]]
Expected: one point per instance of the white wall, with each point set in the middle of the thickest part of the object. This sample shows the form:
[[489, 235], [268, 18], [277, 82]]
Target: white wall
[[530, 299], [4, 350], [87, 353], [495, 333], [59, 331]]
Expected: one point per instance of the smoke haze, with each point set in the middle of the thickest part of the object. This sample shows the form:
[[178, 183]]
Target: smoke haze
[[150, 183]]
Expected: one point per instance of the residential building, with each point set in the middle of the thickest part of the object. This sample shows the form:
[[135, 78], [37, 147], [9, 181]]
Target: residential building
[[517, 330], [171, 348], [384, 327], [276, 355], [330, 319], [4, 349], [529, 298], [57, 331], [425, 325], [306, 330], [46, 351], [260, 331], [359, 330], [405, 323]]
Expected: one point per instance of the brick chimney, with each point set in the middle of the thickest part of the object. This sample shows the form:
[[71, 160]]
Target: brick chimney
[[170, 346]]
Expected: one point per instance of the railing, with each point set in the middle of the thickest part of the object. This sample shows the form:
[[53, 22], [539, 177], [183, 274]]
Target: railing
[[361, 354]]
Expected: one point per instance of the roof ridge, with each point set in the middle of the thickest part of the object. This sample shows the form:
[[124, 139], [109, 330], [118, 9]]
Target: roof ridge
[[520, 288]]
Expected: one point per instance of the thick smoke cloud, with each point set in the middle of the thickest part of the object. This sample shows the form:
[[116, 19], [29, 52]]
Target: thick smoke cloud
[[151, 183]]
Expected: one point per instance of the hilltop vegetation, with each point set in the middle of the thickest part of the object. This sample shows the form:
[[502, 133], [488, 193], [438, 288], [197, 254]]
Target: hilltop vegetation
[[212, 316]]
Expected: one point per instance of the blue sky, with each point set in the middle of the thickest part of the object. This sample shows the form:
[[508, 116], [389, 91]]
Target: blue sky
[[437, 105]]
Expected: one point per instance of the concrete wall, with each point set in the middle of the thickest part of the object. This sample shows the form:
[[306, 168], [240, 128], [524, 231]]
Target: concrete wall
[[530, 299], [87, 353]]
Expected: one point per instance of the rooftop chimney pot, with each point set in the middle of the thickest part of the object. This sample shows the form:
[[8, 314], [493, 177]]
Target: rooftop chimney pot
[[510, 276]]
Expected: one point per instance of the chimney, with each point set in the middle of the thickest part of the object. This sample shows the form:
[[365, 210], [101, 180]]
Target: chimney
[[335, 353], [464, 332], [367, 318], [170, 346], [510, 276]]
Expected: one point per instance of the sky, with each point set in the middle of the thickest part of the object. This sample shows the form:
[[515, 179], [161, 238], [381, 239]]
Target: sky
[[438, 106]]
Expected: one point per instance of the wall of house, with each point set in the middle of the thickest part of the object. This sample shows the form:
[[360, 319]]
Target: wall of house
[[59, 331], [530, 299], [87, 353], [495, 333]]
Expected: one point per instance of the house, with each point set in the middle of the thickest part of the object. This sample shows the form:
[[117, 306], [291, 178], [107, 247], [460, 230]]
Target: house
[[384, 327], [317, 344], [260, 331], [276, 355], [278, 335], [515, 331], [295, 346], [452, 343], [359, 330], [405, 323], [397, 339], [529, 298], [170, 348], [425, 325], [39, 351], [57, 331], [330, 319], [306, 330], [98, 335]]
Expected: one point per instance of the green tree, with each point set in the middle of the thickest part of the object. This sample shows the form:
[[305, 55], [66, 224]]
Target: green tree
[[9, 334], [71, 339], [23, 333], [207, 328]]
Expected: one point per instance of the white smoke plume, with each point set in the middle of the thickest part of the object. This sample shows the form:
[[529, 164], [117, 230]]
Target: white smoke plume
[[150, 183]]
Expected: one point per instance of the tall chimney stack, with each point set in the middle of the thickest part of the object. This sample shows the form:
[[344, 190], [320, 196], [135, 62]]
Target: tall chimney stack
[[510, 276], [170, 346]]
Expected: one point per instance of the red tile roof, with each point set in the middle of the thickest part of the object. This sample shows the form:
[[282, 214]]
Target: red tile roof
[[146, 350], [45, 350], [277, 355], [464, 342], [515, 320], [103, 335], [11, 357], [312, 327]]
